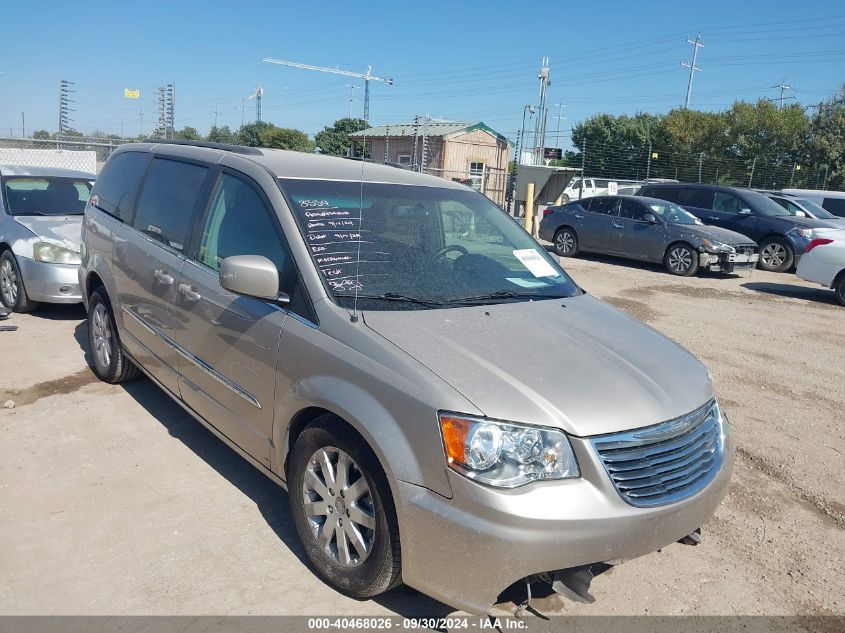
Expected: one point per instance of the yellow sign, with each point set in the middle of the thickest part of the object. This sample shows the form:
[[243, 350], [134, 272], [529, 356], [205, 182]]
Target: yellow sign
[[797, 167], [654, 154], [131, 94]]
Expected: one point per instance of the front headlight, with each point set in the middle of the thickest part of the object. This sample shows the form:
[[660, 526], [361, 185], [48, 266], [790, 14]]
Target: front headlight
[[807, 234], [504, 454], [713, 246], [54, 254]]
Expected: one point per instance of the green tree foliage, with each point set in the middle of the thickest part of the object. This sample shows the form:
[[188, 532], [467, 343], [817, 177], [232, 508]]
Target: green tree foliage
[[334, 140], [250, 133], [221, 135], [188, 133], [41, 134], [264, 134], [827, 143]]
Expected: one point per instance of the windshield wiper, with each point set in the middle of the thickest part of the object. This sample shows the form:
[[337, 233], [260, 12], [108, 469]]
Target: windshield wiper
[[30, 213], [492, 296], [395, 296]]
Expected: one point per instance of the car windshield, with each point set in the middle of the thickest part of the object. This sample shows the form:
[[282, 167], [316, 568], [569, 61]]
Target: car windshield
[[46, 195], [672, 213], [818, 211], [764, 204], [409, 247]]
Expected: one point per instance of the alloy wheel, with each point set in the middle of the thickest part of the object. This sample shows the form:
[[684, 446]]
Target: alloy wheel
[[565, 242], [8, 283], [773, 255], [680, 259], [339, 507], [101, 329]]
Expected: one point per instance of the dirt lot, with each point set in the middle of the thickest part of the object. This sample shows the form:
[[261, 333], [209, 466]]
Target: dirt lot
[[112, 500]]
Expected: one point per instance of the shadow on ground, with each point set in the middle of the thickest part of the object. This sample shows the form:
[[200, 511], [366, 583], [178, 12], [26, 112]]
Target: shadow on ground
[[816, 295], [269, 498], [60, 312]]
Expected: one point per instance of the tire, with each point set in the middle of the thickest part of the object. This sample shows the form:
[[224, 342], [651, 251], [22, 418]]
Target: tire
[[375, 566], [564, 198], [681, 259], [108, 360], [565, 242], [839, 289], [776, 255], [12, 291]]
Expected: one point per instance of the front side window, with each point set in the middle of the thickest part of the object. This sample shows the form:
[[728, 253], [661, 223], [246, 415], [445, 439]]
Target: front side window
[[239, 223], [727, 203], [603, 205], [816, 210], [405, 246], [46, 195], [700, 198], [167, 202], [672, 213]]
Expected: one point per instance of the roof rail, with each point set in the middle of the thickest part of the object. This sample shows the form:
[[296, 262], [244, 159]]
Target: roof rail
[[237, 149], [375, 162]]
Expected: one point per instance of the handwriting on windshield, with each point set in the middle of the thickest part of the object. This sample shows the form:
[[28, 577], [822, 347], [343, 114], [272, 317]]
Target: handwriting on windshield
[[344, 251]]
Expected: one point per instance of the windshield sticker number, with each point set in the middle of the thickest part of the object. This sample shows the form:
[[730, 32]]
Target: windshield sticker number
[[536, 265]]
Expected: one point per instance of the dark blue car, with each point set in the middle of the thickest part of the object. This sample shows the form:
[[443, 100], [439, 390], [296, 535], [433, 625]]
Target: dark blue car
[[782, 237]]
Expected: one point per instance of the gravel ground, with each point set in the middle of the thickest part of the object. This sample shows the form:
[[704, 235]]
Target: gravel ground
[[113, 501]]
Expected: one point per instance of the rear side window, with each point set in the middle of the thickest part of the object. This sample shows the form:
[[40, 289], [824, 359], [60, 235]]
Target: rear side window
[[631, 209], [118, 183], [835, 205], [669, 194], [701, 198], [167, 202], [603, 205]]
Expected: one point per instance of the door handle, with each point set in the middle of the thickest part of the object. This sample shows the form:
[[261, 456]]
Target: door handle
[[163, 278], [715, 218], [189, 292], [579, 217], [618, 226]]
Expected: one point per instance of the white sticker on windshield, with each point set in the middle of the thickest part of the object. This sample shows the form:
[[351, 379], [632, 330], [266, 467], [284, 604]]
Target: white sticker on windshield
[[527, 283], [535, 264]]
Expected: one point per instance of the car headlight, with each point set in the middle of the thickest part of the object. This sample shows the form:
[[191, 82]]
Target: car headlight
[[54, 254], [504, 454], [713, 246], [807, 234]]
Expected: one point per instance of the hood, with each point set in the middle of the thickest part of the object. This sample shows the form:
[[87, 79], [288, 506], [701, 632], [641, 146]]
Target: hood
[[726, 236], [65, 230], [804, 223], [586, 368]]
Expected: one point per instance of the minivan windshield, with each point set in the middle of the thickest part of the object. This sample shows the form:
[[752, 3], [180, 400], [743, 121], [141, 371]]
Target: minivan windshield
[[818, 211], [672, 213], [46, 195], [409, 247]]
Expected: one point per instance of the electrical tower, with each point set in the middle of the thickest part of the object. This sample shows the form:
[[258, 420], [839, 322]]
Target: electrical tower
[[692, 67], [542, 114], [64, 106], [257, 94], [783, 87], [367, 77], [166, 110]]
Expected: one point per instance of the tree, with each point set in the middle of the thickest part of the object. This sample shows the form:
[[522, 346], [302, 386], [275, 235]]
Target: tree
[[41, 134], [286, 138], [188, 133], [827, 145], [334, 140], [221, 135], [250, 133], [617, 146]]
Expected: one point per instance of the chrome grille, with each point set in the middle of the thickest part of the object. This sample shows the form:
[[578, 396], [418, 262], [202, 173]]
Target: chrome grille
[[667, 462]]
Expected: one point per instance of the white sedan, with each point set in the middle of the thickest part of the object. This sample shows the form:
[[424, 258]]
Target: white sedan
[[824, 261]]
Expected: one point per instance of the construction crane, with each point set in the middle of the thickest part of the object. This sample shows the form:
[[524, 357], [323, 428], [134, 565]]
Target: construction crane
[[259, 92], [367, 77]]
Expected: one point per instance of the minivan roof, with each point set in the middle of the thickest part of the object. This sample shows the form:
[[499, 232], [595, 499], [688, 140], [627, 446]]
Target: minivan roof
[[288, 164]]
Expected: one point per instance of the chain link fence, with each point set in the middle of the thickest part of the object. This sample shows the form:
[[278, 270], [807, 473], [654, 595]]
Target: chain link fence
[[79, 154]]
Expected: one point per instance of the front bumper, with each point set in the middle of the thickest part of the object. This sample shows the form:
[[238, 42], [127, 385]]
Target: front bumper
[[729, 262], [50, 283], [466, 550]]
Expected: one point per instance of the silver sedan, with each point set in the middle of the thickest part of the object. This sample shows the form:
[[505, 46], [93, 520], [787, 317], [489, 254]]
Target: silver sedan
[[40, 232]]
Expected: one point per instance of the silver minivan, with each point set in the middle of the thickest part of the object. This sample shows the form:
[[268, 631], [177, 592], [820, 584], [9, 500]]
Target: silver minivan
[[444, 405]]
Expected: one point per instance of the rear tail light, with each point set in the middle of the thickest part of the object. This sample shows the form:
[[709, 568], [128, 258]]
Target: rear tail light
[[548, 211], [819, 241]]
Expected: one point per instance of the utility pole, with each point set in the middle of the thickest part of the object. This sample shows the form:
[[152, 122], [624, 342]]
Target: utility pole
[[751, 177], [351, 98], [386, 136], [783, 87], [692, 67], [559, 118], [648, 163], [543, 114], [700, 159], [583, 165], [141, 122], [416, 134], [215, 113], [23, 126], [65, 91]]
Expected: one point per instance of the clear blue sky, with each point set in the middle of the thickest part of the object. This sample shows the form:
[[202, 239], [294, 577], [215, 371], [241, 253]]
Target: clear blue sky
[[455, 60]]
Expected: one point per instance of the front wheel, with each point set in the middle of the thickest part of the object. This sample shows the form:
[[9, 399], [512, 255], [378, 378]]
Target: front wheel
[[108, 359], [681, 260], [12, 291], [776, 255], [343, 511]]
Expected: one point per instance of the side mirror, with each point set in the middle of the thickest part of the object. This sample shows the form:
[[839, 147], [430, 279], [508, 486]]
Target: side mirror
[[745, 211], [252, 276], [650, 218], [800, 214]]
